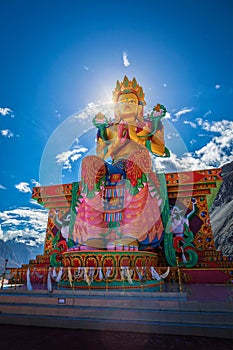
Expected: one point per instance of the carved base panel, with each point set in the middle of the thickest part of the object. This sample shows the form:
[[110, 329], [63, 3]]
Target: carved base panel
[[110, 270]]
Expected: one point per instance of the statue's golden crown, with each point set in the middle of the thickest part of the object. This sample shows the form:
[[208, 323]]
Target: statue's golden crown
[[129, 86]]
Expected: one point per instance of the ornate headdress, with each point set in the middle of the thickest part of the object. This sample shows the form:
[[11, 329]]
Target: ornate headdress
[[129, 86]]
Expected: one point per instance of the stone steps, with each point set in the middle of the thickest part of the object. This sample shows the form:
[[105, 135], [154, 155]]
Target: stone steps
[[145, 312]]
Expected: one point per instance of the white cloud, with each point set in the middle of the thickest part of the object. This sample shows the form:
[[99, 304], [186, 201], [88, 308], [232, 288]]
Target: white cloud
[[171, 135], [23, 187], [24, 225], [215, 126], [181, 112], [214, 154], [220, 149], [2, 187], [217, 86], [7, 133], [64, 158], [207, 113], [174, 163], [35, 183], [125, 59], [91, 105], [5, 111], [193, 125], [58, 114], [85, 117]]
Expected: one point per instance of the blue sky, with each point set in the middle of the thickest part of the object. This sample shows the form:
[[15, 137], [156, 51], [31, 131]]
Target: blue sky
[[58, 57]]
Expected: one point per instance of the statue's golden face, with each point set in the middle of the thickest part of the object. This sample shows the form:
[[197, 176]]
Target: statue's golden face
[[128, 106]]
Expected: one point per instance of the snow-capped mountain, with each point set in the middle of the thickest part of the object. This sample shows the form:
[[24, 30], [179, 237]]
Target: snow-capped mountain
[[22, 234]]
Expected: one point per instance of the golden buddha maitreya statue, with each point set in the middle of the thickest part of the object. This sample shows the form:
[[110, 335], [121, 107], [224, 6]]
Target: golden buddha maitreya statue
[[120, 193]]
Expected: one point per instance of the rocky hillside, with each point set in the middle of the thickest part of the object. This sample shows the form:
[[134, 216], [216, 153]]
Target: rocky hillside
[[17, 253], [221, 213], [7, 253], [225, 194]]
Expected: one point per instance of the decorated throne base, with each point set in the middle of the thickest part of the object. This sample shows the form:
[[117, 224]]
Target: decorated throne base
[[102, 269]]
